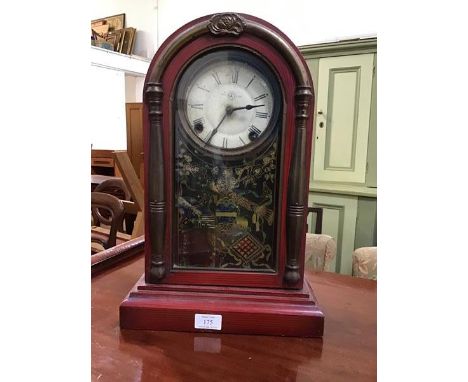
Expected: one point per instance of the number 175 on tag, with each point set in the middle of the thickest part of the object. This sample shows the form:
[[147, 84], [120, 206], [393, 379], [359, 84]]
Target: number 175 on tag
[[208, 321]]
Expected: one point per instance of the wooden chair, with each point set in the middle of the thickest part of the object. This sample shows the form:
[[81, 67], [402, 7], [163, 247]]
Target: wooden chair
[[318, 223], [114, 215], [117, 188], [114, 187]]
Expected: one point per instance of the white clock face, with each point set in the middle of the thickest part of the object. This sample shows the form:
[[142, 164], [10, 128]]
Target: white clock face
[[229, 104]]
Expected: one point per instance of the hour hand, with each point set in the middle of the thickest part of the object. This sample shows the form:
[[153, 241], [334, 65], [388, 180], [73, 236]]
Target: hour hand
[[247, 107]]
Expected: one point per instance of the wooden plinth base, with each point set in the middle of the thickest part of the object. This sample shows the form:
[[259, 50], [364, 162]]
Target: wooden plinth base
[[243, 310]]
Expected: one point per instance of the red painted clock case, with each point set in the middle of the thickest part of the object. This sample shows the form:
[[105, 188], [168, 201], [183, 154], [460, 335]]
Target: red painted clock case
[[249, 303], [192, 45]]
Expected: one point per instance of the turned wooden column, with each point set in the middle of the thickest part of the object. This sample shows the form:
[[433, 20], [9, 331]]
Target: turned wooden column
[[297, 189], [156, 181]]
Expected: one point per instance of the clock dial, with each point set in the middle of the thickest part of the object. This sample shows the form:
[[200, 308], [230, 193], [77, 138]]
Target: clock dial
[[228, 101]]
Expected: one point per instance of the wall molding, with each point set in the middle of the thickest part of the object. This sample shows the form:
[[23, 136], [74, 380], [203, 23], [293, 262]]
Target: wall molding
[[133, 65], [340, 48], [343, 189]]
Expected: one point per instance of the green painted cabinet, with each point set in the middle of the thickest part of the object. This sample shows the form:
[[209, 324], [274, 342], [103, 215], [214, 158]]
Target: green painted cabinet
[[351, 219], [344, 91], [339, 221], [344, 170]]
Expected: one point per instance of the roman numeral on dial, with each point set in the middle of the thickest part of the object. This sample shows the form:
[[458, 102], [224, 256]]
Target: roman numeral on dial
[[198, 125], [225, 142], [259, 114], [202, 88], [261, 96], [235, 76], [250, 82], [216, 78], [198, 120], [254, 129], [254, 132], [197, 106]]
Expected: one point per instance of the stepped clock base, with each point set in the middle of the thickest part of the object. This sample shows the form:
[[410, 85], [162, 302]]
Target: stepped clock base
[[262, 311]]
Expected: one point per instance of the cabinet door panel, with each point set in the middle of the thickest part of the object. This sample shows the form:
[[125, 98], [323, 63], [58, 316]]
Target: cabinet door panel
[[342, 123], [339, 221], [135, 134]]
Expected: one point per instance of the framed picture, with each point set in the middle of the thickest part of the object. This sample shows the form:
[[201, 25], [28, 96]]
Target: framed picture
[[117, 34], [128, 41], [101, 29], [115, 22]]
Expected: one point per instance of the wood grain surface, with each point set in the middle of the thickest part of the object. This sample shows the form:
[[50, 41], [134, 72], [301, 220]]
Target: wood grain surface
[[347, 351]]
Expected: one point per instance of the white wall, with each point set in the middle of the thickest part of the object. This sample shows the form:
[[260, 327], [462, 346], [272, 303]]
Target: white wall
[[134, 88], [304, 21], [139, 14], [107, 115]]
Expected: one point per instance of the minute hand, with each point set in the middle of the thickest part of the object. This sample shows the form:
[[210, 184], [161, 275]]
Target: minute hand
[[215, 130], [248, 107]]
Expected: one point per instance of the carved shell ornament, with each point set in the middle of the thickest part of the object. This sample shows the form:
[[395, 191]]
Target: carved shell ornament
[[226, 23]]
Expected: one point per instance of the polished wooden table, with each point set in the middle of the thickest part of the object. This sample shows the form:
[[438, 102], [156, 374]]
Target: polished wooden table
[[347, 351]]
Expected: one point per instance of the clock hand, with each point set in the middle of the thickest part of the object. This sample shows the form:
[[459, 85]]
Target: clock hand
[[229, 111], [248, 107], [215, 130]]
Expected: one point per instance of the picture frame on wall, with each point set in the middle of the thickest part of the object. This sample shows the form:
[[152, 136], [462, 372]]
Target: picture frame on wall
[[117, 34], [127, 41], [115, 22], [112, 32]]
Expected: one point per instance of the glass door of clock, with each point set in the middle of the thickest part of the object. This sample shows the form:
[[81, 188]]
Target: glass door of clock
[[227, 147]]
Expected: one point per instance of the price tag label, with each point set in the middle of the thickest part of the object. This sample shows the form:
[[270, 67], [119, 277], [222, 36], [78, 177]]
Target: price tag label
[[208, 321]]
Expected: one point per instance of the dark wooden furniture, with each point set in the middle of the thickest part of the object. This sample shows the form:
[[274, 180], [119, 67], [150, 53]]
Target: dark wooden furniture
[[113, 218], [97, 179], [134, 113], [319, 219], [346, 353], [135, 187], [102, 163], [117, 254], [117, 188], [198, 260]]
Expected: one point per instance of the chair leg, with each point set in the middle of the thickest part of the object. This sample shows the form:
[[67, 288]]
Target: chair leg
[[129, 223]]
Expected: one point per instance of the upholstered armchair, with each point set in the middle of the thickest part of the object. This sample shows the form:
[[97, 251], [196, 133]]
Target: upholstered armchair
[[320, 250], [365, 263]]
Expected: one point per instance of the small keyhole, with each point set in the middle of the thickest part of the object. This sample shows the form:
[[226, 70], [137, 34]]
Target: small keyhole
[[321, 124]]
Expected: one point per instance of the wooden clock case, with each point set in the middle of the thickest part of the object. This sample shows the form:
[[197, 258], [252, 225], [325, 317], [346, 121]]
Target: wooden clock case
[[278, 303]]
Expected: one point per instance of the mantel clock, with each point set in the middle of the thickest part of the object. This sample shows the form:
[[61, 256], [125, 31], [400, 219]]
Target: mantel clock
[[227, 116]]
